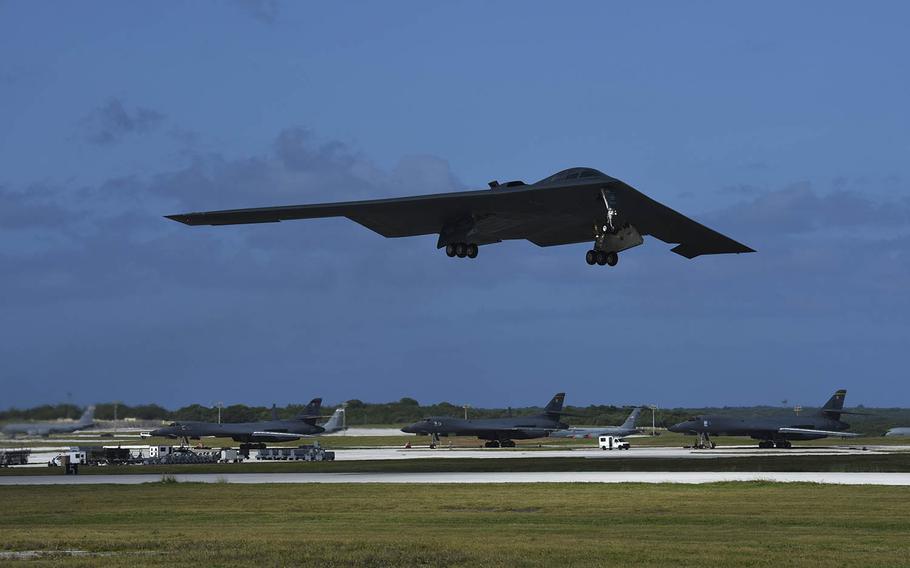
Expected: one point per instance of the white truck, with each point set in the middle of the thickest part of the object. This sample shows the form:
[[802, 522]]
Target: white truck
[[612, 443]]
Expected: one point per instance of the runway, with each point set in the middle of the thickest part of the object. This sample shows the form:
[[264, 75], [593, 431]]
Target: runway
[[42, 455], [367, 454], [839, 478]]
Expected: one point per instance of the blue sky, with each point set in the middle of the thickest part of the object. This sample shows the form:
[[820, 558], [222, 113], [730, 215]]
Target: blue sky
[[784, 125]]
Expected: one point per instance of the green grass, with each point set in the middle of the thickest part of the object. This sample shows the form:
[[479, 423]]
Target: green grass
[[897, 462], [731, 524]]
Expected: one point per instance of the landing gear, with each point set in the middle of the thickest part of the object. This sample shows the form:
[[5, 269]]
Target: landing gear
[[434, 440], [703, 442], [612, 235], [766, 444], [491, 444], [507, 443], [783, 444], [461, 250], [601, 258]]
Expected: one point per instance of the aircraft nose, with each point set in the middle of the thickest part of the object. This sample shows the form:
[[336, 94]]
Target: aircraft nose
[[409, 429], [677, 428]]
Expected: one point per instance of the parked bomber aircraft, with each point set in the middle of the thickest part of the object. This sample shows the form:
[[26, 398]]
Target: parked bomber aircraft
[[774, 431], [627, 428], [265, 431], [45, 429], [496, 431], [577, 205]]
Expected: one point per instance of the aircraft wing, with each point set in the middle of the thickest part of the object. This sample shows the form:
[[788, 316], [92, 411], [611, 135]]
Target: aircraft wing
[[287, 435], [546, 216], [397, 217], [819, 432]]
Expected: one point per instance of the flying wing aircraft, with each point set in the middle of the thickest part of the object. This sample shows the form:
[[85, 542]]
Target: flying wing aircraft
[[577, 205], [773, 431]]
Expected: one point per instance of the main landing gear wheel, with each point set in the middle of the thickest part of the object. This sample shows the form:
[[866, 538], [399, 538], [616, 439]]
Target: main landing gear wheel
[[507, 444], [601, 258], [461, 250], [783, 444], [491, 444], [765, 444]]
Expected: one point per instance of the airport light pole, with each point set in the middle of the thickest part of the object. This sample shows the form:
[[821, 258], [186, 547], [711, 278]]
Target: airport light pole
[[653, 408], [465, 406], [219, 404]]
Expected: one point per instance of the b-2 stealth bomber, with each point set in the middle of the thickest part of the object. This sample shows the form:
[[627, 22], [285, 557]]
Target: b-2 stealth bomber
[[577, 205]]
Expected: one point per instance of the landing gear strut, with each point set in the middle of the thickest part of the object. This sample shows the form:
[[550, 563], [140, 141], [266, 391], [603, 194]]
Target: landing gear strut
[[703, 442], [608, 238], [461, 250], [434, 441]]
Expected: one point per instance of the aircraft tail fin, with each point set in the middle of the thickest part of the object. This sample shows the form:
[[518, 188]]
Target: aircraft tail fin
[[311, 412], [630, 421], [336, 422], [88, 417], [834, 406], [555, 404]]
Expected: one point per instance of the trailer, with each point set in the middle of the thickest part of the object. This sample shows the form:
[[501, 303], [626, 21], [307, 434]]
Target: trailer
[[14, 457], [180, 455], [300, 453]]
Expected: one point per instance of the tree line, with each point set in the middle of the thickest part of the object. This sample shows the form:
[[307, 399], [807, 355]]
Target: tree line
[[407, 410]]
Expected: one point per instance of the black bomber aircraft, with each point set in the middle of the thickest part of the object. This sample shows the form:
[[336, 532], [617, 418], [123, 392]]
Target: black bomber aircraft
[[274, 430], [498, 432], [576, 205], [773, 431]]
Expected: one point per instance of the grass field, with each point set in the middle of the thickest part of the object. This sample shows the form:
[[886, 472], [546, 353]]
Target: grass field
[[730, 524]]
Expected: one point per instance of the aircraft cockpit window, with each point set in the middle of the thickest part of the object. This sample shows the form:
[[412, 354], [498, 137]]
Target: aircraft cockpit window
[[573, 175], [588, 174]]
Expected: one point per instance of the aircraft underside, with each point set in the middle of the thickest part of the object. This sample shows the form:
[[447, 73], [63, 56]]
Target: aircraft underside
[[610, 235]]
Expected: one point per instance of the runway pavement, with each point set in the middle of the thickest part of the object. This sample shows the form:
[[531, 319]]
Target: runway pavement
[[41, 456], [841, 478], [595, 453]]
